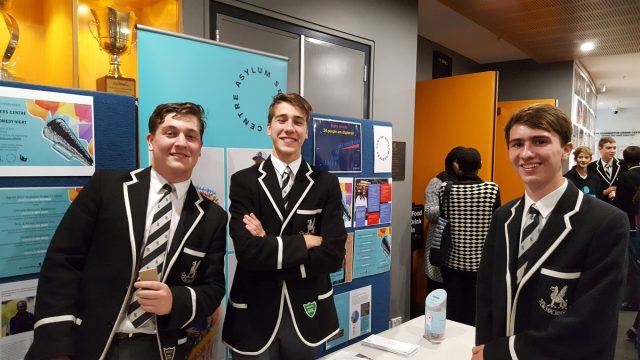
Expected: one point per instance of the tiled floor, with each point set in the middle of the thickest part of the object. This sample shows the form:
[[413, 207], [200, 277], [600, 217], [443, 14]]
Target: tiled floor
[[624, 348]]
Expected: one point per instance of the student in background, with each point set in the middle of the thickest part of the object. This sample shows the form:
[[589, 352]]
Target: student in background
[[608, 168], [589, 183], [553, 266], [432, 211]]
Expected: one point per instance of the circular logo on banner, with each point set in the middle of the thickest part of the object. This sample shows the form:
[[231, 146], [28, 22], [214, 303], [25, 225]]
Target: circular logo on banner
[[249, 88], [383, 148]]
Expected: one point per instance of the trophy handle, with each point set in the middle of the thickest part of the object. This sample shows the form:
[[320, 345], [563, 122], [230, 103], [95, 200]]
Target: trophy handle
[[92, 24], [14, 30]]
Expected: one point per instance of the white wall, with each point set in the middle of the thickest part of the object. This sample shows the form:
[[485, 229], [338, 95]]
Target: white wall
[[624, 127], [393, 26]]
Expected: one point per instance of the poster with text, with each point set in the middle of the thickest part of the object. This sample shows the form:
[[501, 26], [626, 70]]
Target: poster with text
[[372, 202], [18, 301], [354, 315], [28, 219], [337, 145], [382, 138], [238, 159], [371, 252], [208, 175], [345, 273], [46, 133], [346, 187]]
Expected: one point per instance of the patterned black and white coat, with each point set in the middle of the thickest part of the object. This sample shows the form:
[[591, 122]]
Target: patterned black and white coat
[[469, 210]]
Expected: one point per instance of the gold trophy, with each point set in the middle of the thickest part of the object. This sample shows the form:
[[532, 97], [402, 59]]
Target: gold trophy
[[14, 36], [115, 36]]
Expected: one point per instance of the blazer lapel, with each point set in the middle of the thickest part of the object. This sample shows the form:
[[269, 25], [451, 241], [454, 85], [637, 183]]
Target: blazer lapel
[[136, 196], [554, 231], [268, 179], [190, 216], [302, 184], [512, 239]]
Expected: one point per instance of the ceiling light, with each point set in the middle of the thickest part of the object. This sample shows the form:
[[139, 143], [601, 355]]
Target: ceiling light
[[587, 46], [83, 9]]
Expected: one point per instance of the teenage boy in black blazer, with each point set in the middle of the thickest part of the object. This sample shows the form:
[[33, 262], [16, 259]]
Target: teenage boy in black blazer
[[281, 301], [556, 297], [90, 273], [608, 168]]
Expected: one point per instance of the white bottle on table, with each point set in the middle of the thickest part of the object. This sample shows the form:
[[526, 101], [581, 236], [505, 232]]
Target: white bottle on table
[[435, 316]]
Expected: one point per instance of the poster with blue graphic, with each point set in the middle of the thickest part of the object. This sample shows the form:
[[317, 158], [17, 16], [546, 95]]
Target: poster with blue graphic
[[371, 252], [234, 85], [45, 133], [354, 315], [28, 219], [337, 145]]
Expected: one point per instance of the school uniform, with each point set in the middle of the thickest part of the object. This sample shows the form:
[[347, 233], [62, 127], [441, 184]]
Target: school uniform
[[566, 303], [276, 273], [598, 167], [87, 277]]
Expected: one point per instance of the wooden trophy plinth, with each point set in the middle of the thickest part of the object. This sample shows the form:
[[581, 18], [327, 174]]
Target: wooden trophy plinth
[[117, 85]]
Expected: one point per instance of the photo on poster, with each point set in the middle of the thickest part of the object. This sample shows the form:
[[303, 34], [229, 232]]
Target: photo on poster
[[208, 175], [28, 219], [337, 145], [46, 133], [354, 315], [371, 252], [18, 301], [372, 202], [345, 273], [382, 144], [238, 159], [346, 187]]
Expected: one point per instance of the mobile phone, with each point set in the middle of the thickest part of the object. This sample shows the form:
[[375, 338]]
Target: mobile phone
[[148, 275]]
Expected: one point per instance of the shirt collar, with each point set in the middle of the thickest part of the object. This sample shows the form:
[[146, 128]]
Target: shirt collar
[[547, 203], [604, 164], [279, 165], [157, 181]]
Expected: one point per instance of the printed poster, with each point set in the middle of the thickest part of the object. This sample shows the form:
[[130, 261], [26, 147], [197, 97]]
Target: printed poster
[[46, 133], [372, 203], [345, 273], [382, 143], [346, 187], [28, 219], [18, 301], [337, 145], [354, 315], [371, 252], [208, 175]]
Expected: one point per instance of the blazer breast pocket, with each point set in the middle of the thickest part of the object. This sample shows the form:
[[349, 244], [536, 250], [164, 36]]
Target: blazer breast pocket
[[190, 263], [310, 220], [556, 290]]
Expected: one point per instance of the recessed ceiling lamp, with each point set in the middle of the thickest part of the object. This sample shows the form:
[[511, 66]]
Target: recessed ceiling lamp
[[587, 46]]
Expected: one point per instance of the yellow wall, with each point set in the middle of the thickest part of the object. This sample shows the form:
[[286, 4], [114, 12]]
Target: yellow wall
[[507, 179], [450, 112]]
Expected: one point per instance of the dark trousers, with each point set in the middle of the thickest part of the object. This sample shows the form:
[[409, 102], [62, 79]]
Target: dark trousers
[[286, 345], [461, 295], [143, 347]]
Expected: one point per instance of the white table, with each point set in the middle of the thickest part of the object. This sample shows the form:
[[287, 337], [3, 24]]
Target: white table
[[459, 339]]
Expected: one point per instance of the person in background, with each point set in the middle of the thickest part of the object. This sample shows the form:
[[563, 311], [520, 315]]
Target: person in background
[[22, 321], [470, 207], [588, 182], [288, 233], [553, 266], [432, 211], [628, 184], [608, 167], [91, 302]]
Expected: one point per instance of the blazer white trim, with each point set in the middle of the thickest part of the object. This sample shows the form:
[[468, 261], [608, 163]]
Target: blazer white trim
[[280, 251], [55, 319], [166, 271], [309, 212], [512, 347], [324, 296], [266, 191], [295, 325], [295, 208], [560, 275], [193, 252], [193, 306], [507, 276], [303, 271], [238, 305]]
